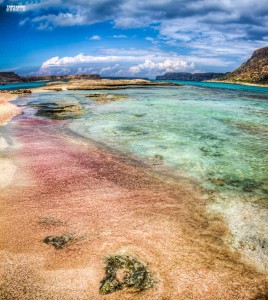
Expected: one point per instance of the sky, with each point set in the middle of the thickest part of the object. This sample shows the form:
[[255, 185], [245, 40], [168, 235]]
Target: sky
[[136, 38]]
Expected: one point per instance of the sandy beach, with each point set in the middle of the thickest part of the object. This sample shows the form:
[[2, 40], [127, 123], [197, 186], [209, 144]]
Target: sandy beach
[[110, 205]]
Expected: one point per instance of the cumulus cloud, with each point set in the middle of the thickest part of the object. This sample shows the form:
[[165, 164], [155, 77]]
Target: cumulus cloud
[[120, 36], [95, 38], [126, 63], [151, 68]]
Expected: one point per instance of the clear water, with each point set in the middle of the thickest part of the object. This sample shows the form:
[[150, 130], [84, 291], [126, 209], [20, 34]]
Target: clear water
[[221, 85], [202, 133], [216, 136]]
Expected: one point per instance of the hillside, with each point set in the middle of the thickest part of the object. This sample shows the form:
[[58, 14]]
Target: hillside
[[255, 70], [9, 77]]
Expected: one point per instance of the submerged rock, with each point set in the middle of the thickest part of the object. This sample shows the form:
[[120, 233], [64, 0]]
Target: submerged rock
[[102, 98], [57, 110], [247, 185], [125, 272], [217, 181], [139, 115], [157, 159]]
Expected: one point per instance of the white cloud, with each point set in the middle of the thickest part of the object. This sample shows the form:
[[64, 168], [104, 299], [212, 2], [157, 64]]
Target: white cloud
[[95, 38], [49, 21], [120, 36], [151, 68], [127, 62]]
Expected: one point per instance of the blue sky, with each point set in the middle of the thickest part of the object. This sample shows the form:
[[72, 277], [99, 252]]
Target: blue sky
[[130, 37]]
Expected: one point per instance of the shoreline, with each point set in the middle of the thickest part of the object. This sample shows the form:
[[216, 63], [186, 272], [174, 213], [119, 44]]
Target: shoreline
[[146, 217], [238, 83]]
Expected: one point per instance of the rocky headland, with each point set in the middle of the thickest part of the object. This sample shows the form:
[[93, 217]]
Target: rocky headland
[[253, 71]]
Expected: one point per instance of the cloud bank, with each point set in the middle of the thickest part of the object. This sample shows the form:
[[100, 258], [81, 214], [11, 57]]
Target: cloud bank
[[149, 65]]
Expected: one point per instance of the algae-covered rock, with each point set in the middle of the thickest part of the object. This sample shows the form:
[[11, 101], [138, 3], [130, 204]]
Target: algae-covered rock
[[57, 110], [103, 98], [59, 242], [64, 240], [157, 159], [216, 181], [125, 272]]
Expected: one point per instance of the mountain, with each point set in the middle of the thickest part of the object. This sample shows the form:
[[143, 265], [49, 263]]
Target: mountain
[[9, 77], [62, 77], [255, 70], [190, 76]]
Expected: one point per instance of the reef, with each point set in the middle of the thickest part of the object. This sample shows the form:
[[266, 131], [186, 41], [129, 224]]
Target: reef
[[106, 84], [103, 98]]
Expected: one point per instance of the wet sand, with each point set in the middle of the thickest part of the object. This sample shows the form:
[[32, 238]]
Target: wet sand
[[238, 82], [7, 110], [112, 205]]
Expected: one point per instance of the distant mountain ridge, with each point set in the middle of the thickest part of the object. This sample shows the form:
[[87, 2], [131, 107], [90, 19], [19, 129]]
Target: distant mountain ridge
[[11, 77], [254, 70], [190, 76]]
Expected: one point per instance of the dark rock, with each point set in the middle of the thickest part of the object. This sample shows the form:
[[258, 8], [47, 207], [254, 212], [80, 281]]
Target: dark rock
[[21, 91]]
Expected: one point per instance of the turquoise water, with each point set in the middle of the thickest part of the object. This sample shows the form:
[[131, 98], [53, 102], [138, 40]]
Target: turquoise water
[[22, 85], [205, 134], [222, 85]]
